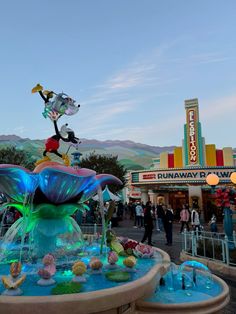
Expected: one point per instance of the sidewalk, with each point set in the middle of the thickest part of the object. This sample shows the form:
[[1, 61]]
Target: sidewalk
[[126, 229]]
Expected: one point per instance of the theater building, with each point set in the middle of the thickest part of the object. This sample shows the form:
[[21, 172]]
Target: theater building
[[179, 177]]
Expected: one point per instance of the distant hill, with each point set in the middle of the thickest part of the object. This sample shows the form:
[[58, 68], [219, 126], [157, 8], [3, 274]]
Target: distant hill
[[133, 156]]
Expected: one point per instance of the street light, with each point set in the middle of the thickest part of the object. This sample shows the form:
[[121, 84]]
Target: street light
[[233, 180], [213, 180], [233, 177]]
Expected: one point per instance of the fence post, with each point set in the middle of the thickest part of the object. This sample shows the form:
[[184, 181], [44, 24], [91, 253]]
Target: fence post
[[185, 240], [223, 251], [193, 243], [197, 233], [95, 229], [226, 250], [234, 238], [213, 248]]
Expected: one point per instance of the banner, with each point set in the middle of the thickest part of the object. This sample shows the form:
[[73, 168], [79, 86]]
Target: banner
[[182, 175]]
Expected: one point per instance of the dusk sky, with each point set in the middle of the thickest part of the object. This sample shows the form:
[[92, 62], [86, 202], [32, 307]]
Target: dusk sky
[[129, 63]]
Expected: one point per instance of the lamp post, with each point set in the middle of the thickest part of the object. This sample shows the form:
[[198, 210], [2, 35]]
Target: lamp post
[[76, 160], [213, 180]]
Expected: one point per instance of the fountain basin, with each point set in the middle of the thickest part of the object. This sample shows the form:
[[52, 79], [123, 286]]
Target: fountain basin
[[206, 303], [110, 300]]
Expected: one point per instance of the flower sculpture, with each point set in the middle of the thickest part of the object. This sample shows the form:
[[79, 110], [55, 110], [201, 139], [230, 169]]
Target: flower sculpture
[[14, 281], [47, 271], [129, 246], [129, 263], [78, 269], [95, 265], [46, 198], [143, 251], [112, 259], [224, 198]]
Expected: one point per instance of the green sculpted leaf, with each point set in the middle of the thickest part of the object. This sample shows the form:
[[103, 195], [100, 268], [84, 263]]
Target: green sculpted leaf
[[54, 211], [66, 288], [118, 276]]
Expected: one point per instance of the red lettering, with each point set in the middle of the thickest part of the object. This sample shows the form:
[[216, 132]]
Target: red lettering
[[192, 136], [149, 176]]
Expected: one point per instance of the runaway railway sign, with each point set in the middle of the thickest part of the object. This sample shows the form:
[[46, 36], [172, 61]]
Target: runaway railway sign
[[193, 175]]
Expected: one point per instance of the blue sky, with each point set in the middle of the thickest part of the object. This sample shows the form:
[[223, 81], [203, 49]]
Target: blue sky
[[129, 63]]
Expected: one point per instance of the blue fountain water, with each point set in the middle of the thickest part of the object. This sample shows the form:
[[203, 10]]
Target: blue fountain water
[[191, 282], [94, 281]]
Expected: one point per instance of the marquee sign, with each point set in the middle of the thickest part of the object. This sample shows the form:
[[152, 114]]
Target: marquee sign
[[135, 194], [192, 136], [182, 175]]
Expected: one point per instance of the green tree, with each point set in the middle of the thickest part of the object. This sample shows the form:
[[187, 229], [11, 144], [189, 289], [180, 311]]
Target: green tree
[[11, 155], [108, 164]]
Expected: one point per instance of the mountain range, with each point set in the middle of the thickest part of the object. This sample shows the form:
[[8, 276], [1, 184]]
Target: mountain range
[[133, 156]]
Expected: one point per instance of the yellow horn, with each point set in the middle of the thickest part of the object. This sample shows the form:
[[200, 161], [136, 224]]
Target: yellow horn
[[37, 88]]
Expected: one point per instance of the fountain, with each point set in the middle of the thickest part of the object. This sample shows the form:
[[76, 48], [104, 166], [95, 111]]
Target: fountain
[[57, 270], [46, 247], [56, 260], [189, 288]]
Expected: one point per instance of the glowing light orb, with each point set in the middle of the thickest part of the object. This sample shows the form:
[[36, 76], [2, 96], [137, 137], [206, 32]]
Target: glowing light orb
[[212, 179]]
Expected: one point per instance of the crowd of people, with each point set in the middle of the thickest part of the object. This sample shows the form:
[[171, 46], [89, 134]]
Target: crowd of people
[[145, 216], [161, 218], [150, 217]]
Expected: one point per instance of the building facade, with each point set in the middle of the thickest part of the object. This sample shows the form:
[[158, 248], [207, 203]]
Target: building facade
[[179, 177]]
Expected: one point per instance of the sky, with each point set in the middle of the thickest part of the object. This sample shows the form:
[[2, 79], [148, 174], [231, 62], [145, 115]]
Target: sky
[[130, 64]]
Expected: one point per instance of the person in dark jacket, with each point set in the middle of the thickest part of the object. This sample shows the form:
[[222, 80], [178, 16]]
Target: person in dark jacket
[[160, 216], [148, 224], [168, 222]]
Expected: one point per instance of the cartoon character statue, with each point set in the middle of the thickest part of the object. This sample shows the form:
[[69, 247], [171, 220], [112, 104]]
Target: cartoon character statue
[[54, 110], [12, 282], [60, 103], [52, 144]]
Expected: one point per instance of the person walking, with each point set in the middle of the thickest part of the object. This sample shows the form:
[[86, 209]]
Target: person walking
[[138, 212], [132, 212], [142, 214], [120, 210], [148, 224], [160, 217], [184, 218], [126, 210], [213, 224], [195, 221], [168, 224]]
